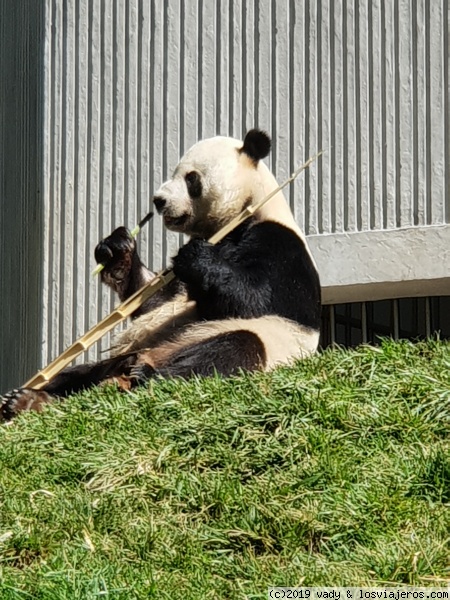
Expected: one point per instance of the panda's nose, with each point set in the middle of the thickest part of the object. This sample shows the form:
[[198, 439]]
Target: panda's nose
[[159, 203]]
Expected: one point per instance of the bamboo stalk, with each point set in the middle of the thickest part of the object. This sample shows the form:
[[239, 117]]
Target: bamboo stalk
[[132, 303]]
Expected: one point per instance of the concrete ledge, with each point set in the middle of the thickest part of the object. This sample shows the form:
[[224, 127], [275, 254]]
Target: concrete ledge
[[377, 265]]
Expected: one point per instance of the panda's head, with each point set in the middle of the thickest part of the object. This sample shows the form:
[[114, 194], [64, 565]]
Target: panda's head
[[213, 182]]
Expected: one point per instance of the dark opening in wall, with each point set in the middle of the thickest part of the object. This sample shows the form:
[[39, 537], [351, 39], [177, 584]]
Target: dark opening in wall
[[366, 322]]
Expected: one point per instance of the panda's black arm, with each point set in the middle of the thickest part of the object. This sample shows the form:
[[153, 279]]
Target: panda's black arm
[[260, 269], [225, 281]]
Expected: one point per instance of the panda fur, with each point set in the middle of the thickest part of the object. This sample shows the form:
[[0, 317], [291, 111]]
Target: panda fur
[[251, 302]]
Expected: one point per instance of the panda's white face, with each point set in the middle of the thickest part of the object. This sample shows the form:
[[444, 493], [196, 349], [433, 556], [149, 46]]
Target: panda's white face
[[212, 183]]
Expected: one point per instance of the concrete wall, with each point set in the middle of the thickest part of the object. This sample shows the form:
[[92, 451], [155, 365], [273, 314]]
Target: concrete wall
[[129, 85], [21, 214]]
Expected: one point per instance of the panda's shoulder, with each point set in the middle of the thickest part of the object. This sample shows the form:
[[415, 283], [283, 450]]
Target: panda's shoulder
[[270, 233]]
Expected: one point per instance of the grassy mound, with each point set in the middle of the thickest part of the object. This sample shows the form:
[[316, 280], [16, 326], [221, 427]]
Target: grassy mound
[[333, 472]]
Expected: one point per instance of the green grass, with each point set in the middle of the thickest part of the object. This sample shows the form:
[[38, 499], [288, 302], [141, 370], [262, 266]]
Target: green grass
[[333, 472]]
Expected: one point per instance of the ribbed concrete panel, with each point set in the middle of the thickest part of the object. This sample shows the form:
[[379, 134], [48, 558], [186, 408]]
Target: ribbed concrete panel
[[129, 85], [20, 192]]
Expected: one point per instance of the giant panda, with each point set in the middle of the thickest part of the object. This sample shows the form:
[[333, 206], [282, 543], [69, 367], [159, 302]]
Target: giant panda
[[251, 302]]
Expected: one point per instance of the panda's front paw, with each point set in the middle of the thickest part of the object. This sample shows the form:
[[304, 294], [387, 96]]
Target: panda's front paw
[[19, 400], [116, 253], [141, 374], [195, 261], [115, 249]]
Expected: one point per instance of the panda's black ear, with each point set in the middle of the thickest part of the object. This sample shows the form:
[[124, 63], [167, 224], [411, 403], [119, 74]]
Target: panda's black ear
[[256, 145]]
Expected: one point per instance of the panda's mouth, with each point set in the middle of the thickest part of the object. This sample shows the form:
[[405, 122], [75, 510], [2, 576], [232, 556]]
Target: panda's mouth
[[175, 222]]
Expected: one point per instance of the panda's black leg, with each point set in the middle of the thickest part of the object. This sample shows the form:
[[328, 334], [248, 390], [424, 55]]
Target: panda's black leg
[[224, 354], [69, 381], [81, 377]]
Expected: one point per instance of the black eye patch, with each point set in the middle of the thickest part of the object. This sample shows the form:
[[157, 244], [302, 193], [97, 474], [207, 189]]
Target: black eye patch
[[194, 184]]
